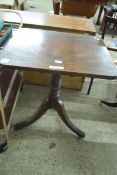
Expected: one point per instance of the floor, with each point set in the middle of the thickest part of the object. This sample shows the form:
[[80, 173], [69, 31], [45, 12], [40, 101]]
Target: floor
[[49, 148]]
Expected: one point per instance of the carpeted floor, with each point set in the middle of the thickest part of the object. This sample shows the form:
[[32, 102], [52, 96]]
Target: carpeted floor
[[48, 147]]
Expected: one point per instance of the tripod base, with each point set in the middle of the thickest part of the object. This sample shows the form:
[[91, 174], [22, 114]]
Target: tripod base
[[52, 101]]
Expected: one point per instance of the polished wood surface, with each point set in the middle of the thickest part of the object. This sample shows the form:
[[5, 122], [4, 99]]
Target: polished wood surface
[[13, 4], [51, 22], [79, 7], [48, 51], [102, 4]]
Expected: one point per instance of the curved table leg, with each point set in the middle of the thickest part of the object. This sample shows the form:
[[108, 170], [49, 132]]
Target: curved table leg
[[99, 15], [109, 103], [62, 113], [43, 108], [3, 146]]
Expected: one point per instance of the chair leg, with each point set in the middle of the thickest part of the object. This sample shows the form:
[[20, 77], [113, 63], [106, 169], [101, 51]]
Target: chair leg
[[116, 95], [114, 30], [90, 85]]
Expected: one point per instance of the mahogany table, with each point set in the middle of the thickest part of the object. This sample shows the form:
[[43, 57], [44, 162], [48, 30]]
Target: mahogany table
[[57, 53]]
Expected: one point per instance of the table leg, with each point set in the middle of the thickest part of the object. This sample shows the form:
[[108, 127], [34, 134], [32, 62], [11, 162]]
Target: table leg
[[62, 113], [40, 112], [52, 101], [109, 103], [99, 15]]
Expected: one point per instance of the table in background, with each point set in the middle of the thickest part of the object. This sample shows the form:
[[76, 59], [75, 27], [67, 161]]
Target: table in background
[[51, 22]]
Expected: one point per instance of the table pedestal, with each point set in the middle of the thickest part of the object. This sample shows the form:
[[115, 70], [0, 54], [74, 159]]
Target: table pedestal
[[52, 101]]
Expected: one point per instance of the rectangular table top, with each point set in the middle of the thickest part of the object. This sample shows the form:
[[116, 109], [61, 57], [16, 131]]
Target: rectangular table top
[[48, 51], [50, 22]]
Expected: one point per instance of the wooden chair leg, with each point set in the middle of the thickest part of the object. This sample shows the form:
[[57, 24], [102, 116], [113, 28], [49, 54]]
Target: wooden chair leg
[[99, 15], [56, 6], [104, 29], [90, 85]]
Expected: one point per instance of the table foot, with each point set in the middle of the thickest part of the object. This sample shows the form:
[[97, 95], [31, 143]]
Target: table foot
[[62, 113], [109, 103], [3, 146], [43, 108]]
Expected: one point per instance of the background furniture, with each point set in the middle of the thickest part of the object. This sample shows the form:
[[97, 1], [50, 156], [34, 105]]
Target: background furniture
[[110, 46], [13, 4], [75, 7], [78, 7], [102, 4], [10, 84], [81, 7]]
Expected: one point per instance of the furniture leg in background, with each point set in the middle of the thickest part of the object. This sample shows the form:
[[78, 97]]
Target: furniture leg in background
[[4, 132], [100, 13], [90, 85]]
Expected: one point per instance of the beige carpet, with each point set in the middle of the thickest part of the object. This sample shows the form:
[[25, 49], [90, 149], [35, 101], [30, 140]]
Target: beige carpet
[[48, 147]]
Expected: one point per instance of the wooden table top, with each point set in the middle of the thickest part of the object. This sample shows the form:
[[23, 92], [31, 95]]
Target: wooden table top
[[48, 51], [51, 22], [95, 1]]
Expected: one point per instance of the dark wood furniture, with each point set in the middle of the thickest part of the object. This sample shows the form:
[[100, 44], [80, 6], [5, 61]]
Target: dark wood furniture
[[10, 84], [57, 53], [110, 17], [107, 19], [4, 133], [79, 7], [13, 4], [103, 3], [75, 7]]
